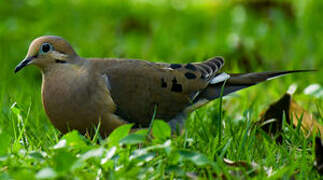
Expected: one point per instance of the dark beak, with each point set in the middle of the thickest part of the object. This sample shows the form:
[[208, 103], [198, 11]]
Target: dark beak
[[23, 63]]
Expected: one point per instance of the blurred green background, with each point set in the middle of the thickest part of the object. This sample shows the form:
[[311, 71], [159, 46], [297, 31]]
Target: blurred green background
[[250, 35]]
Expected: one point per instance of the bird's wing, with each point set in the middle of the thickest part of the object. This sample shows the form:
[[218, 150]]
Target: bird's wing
[[137, 87]]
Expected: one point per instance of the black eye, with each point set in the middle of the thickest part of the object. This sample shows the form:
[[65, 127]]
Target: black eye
[[45, 48]]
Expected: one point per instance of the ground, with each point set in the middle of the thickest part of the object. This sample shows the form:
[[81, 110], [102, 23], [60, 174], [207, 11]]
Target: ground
[[250, 35]]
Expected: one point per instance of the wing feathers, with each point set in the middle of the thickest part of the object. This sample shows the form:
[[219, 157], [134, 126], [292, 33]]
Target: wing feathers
[[210, 68]]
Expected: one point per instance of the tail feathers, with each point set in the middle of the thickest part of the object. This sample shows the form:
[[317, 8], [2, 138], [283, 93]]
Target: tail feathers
[[257, 77], [240, 81]]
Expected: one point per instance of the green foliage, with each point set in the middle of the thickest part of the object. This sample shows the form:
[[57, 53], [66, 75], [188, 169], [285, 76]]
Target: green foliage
[[118, 134], [133, 139], [161, 130], [196, 158], [251, 36]]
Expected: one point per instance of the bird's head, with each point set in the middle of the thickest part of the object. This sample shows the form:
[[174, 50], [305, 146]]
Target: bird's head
[[46, 51]]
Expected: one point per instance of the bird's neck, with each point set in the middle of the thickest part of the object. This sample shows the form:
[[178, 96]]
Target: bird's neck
[[63, 76]]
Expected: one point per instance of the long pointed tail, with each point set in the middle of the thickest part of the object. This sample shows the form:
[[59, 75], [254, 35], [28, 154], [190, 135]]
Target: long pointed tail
[[241, 81]]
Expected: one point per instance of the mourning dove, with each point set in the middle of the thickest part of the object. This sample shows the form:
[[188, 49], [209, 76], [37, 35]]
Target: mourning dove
[[79, 92]]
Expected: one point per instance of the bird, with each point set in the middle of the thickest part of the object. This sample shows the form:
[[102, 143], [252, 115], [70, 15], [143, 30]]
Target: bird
[[80, 93]]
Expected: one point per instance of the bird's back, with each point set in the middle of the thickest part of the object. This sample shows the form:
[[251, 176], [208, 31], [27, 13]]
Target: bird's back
[[137, 87]]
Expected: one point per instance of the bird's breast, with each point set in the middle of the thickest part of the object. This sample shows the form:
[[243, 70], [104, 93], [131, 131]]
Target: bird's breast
[[72, 101]]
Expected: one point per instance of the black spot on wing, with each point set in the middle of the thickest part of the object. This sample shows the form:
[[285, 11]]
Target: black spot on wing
[[163, 83], [175, 66], [189, 75], [190, 67], [60, 61], [176, 87]]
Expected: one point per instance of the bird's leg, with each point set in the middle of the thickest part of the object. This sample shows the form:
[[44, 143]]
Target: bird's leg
[[177, 123], [109, 123]]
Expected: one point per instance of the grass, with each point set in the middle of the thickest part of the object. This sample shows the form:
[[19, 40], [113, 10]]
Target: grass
[[251, 37]]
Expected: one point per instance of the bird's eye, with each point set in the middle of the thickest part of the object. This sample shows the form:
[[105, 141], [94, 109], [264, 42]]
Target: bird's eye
[[46, 47]]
